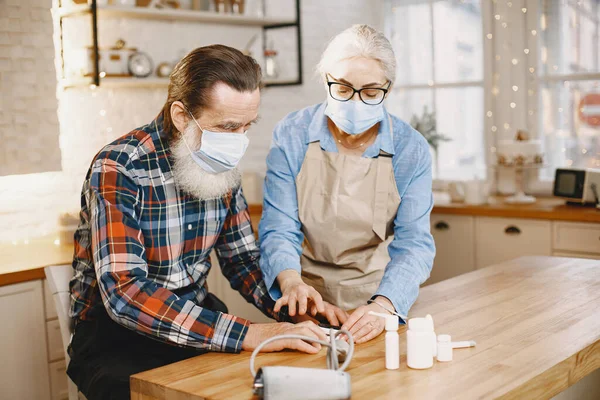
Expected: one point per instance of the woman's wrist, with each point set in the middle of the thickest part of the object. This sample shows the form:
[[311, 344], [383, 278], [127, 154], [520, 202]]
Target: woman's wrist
[[384, 303], [286, 277]]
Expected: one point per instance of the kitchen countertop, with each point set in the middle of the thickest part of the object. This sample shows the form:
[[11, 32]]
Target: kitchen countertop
[[544, 208], [536, 321], [547, 208], [26, 262], [22, 262]]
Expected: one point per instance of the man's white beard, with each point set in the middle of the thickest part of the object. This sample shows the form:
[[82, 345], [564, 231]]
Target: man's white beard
[[192, 178]]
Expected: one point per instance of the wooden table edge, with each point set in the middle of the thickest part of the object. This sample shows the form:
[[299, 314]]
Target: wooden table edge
[[537, 387], [137, 392]]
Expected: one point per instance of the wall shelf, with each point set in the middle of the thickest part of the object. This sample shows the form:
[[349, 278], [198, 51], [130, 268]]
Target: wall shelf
[[98, 12], [171, 15], [111, 82], [132, 82]]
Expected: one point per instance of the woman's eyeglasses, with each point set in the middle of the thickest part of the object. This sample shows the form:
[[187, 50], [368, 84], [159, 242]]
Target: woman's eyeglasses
[[370, 96]]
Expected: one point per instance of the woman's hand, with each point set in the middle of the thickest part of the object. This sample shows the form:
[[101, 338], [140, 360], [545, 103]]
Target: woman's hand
[[335, 316], [300, 298], [364, 326], [294, 292]]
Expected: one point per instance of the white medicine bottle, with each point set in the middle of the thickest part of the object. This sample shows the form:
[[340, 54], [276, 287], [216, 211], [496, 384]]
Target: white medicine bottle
[[419, 350], [392, 340], [433, 335]]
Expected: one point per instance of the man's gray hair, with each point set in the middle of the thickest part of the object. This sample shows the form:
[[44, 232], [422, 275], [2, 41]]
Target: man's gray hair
[[359, 41]]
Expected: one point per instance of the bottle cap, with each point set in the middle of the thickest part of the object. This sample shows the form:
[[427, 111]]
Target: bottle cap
[[420, 325], [428, 317], [444, 339], [391, 321], [444, 348]]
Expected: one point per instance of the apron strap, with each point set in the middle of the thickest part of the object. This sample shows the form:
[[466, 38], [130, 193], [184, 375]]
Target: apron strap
[[382, 187], [384, 166]]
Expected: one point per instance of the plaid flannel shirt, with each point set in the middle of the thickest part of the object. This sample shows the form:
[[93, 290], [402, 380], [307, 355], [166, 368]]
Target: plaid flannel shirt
[[142, 249]]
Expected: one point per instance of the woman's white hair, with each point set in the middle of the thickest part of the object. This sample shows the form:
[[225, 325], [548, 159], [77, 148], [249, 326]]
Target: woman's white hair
[[359, 41]]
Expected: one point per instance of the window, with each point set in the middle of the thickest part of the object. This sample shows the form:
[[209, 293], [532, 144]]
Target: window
[[439, 51], [569, 83]]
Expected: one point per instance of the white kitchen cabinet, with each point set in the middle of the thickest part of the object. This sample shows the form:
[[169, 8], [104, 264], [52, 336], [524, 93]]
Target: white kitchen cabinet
[[58, 382], [56, 354], [454, 237], [502, 239], [55, 346], [49, 303], [577, 237], [24, 368]]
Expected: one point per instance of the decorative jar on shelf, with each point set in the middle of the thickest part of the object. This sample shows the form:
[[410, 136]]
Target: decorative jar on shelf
[[237, 6], [271, 64], [222, 6], [113, 61], [125, 3]]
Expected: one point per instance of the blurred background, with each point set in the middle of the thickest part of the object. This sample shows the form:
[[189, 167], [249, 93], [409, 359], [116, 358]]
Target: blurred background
[[481, 69]]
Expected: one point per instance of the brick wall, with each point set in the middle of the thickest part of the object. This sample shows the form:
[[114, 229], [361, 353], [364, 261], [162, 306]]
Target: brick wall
[[29, 127], [90, 119]]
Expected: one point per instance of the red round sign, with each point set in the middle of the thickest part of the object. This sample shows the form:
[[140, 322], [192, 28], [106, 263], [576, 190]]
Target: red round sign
[[589, 109]]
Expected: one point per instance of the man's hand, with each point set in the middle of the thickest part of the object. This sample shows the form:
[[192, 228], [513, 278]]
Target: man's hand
[[294, 292], [365, 327], [334, 315], [258, 333]]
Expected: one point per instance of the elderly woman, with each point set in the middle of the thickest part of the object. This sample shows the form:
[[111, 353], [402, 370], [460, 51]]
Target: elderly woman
[[348, 196]]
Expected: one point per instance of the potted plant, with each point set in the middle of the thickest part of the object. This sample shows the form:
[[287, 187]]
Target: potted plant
[[426, 125]]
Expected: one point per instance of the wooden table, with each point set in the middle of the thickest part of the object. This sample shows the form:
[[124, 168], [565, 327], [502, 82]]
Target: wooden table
[[536, 321]]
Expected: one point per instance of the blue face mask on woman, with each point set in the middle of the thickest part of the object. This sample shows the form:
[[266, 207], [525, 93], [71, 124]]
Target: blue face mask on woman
[[353, 117]]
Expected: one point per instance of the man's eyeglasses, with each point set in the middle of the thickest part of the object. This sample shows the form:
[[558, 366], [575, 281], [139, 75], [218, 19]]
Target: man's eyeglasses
[[343, 92]]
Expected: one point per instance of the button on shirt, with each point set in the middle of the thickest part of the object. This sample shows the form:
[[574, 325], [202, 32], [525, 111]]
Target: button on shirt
[[412, 249], [142, 249]]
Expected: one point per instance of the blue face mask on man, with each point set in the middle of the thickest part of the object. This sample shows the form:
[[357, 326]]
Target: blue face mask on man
[[219, 151], [353, 116]]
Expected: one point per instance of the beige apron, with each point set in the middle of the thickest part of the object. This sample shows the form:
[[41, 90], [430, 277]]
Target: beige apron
[[347, 206]]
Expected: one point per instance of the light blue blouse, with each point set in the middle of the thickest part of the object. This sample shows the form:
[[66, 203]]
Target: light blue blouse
[[412, 249]]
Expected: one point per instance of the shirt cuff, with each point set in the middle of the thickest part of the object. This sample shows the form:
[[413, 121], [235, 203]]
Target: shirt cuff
[[399, 294], [229, 333], [274, 268], [387, 308], [399, 304]]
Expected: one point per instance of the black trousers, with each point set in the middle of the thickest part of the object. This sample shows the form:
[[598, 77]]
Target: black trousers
[[105, 354]]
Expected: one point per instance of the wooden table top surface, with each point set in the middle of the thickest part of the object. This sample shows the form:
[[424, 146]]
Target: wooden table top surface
[[536, 321]]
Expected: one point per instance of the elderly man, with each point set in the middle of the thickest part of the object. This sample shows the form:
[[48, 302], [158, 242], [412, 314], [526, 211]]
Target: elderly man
[[154, 205]]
